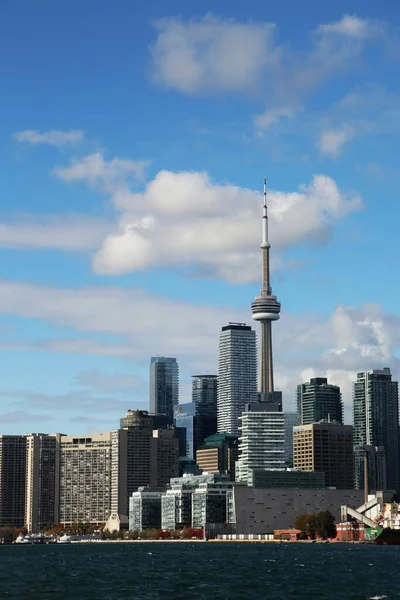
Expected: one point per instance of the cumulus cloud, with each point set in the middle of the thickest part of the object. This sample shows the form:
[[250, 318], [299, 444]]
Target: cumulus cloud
[[332, 141], [353, 27], [338, 345], [271, 116], [51, 138], [211, 54]]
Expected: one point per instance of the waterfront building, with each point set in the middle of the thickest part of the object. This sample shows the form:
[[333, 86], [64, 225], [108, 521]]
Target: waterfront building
[[318, 400], [261, 440], [209, 502], [376, 419], [12, 480], [328, 448], [164, 385], [291, 420], [145, 509], [204, 398], [42, 480], [289, 478], [85, 479], [219, 454], [376, 461], [237, 375]]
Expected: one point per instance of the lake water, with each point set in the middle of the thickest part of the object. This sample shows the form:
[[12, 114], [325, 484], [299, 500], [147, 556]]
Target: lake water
[[174, 571]]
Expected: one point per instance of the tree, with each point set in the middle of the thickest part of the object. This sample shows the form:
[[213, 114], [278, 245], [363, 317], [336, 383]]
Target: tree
[[325, 524]]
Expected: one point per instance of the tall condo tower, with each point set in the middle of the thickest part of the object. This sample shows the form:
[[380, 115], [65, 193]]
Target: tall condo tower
[[266, 309], [164, 386]]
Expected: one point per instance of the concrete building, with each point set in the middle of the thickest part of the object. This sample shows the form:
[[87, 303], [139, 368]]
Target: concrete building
[[237, 375], [376, 460], [291, 420], [205, 398], [145, 509], [85, 479], [164, 457], [317, 400], [261, 440], [376, 419], [12, 480], [164, 385], [219, 454], [328, 448], [289, 478], [42, 480], [261, 511]]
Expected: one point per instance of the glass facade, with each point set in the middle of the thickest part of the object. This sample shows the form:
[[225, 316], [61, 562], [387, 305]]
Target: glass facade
[[317, 401], [185, 417], [164, 385], [145, 510]]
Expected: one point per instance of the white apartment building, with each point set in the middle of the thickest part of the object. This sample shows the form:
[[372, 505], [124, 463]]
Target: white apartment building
[[237, 375]]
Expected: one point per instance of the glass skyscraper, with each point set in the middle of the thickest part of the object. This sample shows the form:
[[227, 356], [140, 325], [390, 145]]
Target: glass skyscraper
[[376, 420], [318, 400], [185, 417], [164, 385], [204, 397]]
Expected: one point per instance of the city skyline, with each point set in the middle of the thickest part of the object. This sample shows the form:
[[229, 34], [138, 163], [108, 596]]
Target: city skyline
[[131, 200]]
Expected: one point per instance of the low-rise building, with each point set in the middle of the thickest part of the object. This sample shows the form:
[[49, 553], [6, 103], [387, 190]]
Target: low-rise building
[[289, 478], [145, 509]]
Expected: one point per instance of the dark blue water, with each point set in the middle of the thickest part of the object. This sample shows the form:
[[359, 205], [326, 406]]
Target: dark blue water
[[211, 571]]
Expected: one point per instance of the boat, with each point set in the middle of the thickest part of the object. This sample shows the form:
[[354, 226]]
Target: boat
[[383, 536], [64, 539], [34, 538]]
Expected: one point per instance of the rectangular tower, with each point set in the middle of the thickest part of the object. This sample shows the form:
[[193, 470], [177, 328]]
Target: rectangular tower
[[12, 480], [318, 400], [327, 448], [205, 397], [164, 385], [237, 375], [376, 419]]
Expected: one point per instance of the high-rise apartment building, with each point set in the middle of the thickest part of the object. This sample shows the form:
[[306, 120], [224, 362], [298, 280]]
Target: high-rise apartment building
[[237, 375], [261, 440], [376, 462], [164, 385], [328, 448], [85, 479], [12, 480], [205, 398], [164, 457], [42, 480], [291, 420], [376, 419], [318, 400]]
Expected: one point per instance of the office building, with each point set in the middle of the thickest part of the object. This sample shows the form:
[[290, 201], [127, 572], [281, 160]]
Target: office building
[[209, 502], [185, 418], [261, 440], [237, 375], [12, 480], [42, 480], [164, 457], [376, 461], [376, 419], [85, 479], [176, 502], [318, 400], [204, 398], [219, 454], [328, 448], [289, 478], [291, 420], [145, 509], [164, 385]]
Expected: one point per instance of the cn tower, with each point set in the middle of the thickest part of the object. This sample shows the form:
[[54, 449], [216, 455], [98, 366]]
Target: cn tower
[[266, 309]]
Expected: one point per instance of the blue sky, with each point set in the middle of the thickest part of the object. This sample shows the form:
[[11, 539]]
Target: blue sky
[[133, 145]]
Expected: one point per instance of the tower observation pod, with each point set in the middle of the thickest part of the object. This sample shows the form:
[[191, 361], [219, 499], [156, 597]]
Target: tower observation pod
[[266, 309]]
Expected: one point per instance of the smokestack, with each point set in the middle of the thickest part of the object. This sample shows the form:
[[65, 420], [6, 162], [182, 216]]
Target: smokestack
[[366, 477]]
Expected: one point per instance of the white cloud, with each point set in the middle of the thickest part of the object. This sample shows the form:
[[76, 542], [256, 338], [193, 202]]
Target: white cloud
[[271, 116], [332, 141], [94, 170], [354, 27], [51, 138], [211, 54], [351, 339]]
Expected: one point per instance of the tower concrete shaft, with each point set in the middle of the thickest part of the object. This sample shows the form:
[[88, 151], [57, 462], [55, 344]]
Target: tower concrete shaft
[[265, 309]]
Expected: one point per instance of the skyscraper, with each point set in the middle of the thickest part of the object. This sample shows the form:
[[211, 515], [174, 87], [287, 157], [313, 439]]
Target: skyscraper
[[376, 419], [204, 397], [318, 400], [266, 309], [291, 420], [12, 480], [164, 385], [42, 480], [237, 374]]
